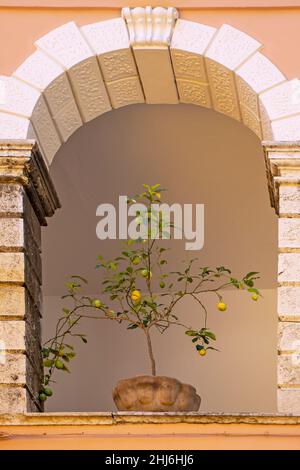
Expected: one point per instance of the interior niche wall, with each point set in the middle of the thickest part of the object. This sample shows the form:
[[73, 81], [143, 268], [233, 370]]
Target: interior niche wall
[[201, 157]]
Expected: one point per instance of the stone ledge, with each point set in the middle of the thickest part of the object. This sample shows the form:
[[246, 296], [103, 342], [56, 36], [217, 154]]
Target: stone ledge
[[114, 418]]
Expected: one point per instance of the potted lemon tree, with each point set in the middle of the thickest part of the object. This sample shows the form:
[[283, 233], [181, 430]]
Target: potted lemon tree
[[143, 295]]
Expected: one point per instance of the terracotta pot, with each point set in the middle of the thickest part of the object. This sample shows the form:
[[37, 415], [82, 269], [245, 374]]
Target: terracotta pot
[[149, 393]]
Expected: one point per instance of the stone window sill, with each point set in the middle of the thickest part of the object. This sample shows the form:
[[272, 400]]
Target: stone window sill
[[115, 418]]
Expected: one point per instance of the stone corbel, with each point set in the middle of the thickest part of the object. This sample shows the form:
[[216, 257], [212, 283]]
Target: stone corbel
[[21, 163], [150, 26], [282, 161]]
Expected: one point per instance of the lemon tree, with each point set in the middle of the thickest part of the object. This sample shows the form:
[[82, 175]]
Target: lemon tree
[[142, 293]]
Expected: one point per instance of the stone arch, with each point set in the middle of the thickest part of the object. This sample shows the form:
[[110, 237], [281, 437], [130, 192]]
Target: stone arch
[[147, 55]]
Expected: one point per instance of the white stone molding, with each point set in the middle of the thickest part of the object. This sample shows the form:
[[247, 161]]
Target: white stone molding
[[150, 27]]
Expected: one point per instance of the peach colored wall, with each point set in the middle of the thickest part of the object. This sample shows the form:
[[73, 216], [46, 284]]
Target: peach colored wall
[[152, 437], [133, 3], [277, 28]]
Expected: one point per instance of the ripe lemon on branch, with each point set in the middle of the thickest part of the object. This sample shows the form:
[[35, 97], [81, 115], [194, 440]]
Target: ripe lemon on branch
[[136, 296]]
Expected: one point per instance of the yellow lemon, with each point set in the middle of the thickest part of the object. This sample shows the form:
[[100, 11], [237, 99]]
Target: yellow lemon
[[147, 274], [136, 260], [59, 364], [97, 303], [255, 297], [136, 296], [221, 306], [202, 352], [158, 195]]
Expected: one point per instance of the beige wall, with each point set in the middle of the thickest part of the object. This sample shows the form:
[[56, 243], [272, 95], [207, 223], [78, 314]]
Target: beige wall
[[202, 157]]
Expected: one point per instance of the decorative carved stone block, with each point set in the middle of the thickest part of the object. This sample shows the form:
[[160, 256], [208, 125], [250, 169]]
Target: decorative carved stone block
[[247, 97], [251, 120], [224, 95], [63, 107], [45, 130], [124, 92], [194, 93], [89, 89], [188, 66], [117, 65]]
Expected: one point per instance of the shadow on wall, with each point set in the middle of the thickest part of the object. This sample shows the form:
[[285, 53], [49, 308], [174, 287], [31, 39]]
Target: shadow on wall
[[201, 157]]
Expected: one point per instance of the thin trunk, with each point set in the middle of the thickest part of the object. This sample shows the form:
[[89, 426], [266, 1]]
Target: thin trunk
[[150, 352]]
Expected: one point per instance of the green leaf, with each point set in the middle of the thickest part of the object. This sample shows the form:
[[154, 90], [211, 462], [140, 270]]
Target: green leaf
[[210, 335], [191, 333], [251, 274], [222, 269], [80, 277], [132, 326], [255, 291]]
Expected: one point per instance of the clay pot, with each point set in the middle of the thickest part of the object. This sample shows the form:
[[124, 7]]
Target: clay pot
[[149, 393]]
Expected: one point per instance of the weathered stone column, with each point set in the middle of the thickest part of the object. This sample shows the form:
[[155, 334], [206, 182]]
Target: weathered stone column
[[27, 197], [283, 169]]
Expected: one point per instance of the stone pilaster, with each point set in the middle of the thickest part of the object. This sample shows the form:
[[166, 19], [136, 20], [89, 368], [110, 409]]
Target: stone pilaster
[[283, 170], [27, 197]]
